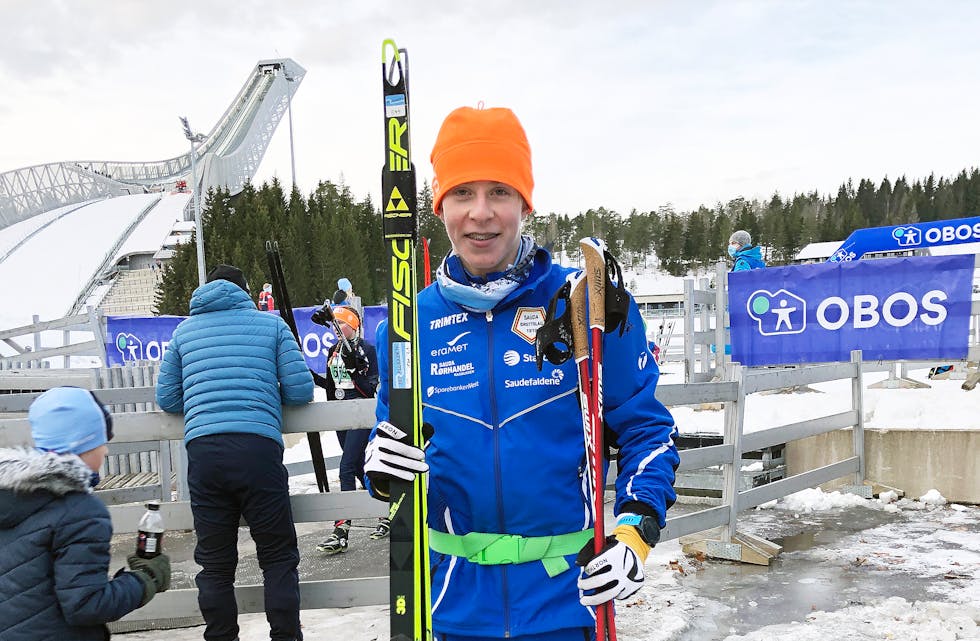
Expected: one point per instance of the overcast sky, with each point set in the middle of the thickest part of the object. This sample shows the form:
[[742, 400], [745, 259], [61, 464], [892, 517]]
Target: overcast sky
[[627, 104]]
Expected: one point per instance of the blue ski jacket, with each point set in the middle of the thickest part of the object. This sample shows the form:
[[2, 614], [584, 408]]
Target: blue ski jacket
[[229, 367], [508, 453], [749, 257]]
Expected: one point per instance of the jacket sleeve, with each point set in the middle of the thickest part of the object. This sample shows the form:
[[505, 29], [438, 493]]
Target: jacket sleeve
[[741, 265], [643, 427], [295, 380], [381, 396], [170, 380], [367, 382], [381, 339], [81, 564]]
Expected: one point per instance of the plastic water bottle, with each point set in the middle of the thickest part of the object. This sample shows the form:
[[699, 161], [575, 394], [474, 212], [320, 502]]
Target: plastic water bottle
[[149, 542]]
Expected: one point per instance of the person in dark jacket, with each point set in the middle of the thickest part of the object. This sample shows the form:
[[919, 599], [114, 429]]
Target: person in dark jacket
[[229, 368], [55, 533], [747, 256], [352, 372]]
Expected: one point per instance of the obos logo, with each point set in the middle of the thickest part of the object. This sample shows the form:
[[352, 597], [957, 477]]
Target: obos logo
[[131, 348], [777, 313], [907, 236], [785, 313]]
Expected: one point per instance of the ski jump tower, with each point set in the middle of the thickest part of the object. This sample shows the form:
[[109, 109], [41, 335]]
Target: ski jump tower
[[229, 157]]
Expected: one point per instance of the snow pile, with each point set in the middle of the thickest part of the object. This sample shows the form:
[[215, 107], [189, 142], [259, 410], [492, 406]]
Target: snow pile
[[895, 618], [933, 497], [816, 500]]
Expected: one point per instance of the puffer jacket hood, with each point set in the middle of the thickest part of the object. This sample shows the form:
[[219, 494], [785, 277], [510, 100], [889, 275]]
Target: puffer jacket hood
[[32, 479], [219, 295]]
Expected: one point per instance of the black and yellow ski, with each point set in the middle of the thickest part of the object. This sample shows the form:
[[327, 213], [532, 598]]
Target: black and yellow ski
[[411, 616]]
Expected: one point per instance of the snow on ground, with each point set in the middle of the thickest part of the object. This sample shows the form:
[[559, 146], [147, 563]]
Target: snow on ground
[[943, 406], [938, 545]]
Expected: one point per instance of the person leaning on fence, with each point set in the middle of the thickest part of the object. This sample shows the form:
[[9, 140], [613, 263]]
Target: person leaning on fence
[[746, 255], [55, 533], [230, 368], [507, 455], [352, 372]]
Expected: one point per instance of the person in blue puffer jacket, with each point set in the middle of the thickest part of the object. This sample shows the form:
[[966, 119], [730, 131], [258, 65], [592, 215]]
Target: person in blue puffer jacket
[[746, 255], [229, 368], [507, 454]]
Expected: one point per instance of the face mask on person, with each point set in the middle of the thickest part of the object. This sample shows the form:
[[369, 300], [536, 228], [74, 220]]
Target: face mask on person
[[732, 249]]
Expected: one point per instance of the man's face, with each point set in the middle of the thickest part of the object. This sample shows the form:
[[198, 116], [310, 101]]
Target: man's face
[[483, 220]]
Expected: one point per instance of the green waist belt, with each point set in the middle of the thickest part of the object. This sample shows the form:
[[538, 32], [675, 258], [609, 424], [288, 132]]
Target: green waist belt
[[501, 549]]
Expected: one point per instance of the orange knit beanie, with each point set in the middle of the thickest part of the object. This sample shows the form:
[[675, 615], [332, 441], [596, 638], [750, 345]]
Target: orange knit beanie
[[481, 144]]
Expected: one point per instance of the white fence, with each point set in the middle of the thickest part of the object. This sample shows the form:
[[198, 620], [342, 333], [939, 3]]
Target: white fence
[[159, 427], [34, 355]]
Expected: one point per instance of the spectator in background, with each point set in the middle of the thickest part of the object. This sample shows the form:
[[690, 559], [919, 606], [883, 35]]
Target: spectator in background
[[55, 533], [352, 372], [230, 368], [747, 256], [266, 302]]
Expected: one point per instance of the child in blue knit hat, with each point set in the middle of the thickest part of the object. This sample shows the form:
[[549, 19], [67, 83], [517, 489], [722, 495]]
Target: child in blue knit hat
[[55, 533]]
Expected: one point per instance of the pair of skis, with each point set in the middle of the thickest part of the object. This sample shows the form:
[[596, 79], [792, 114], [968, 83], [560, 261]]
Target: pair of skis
[[580, 326], [278, 282], [408, 556]]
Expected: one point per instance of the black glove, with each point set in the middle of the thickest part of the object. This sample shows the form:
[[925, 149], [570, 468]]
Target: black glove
[[354, 358], [157, 568], [323, 316]]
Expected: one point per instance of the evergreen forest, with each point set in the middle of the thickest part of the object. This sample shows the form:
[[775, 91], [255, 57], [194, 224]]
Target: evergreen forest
[[333, 234]]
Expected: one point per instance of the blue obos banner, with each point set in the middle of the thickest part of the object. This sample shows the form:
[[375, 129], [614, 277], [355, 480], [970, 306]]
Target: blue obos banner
[[892, 309], [131, 338], [906, 237]]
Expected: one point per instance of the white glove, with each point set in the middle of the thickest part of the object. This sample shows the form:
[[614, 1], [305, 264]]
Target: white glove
[[386, 457], [615, 573]]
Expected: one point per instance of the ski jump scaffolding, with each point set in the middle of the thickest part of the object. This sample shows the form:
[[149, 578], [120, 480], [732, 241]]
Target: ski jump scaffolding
[[229, 156]]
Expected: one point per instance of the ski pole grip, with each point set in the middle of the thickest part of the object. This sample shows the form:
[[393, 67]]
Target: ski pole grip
[[594, 252], [576, 304]]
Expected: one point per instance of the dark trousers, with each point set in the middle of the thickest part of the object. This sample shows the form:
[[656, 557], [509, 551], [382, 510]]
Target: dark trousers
[[231, 476], [352, 442]]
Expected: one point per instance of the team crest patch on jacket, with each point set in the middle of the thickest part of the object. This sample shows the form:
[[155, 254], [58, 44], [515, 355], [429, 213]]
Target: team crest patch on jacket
[[527, 320]]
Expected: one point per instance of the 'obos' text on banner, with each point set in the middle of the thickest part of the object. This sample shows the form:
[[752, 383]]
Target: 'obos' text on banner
[[892, 309], [131, 339]]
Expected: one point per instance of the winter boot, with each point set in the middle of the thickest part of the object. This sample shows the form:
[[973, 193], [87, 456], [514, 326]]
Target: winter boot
[[384, 527], [337, 541]]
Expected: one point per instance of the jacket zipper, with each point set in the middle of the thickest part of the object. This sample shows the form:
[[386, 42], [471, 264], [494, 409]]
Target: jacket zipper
[[498, 476]]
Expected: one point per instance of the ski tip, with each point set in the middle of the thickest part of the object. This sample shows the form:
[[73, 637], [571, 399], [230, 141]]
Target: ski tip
[[384, 48]]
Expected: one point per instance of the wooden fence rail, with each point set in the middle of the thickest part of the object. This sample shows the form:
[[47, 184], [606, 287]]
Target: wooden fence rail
[[156, 426]]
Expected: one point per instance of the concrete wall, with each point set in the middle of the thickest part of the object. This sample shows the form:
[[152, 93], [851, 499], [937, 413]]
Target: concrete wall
[[915, 461]]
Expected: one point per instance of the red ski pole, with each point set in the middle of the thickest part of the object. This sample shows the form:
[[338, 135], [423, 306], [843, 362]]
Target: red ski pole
[[594, 252]]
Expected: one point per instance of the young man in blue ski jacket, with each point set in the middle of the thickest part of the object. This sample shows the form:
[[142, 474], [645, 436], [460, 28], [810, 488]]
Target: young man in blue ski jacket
[[507, 455], [747, 256]]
